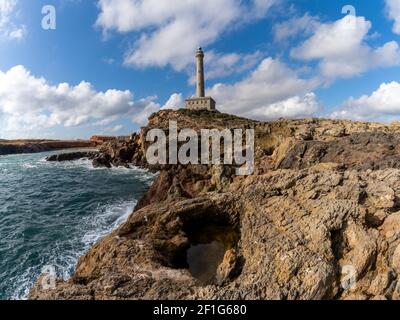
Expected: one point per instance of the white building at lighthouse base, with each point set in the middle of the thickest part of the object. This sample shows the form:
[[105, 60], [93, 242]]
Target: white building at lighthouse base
[[201, 103]]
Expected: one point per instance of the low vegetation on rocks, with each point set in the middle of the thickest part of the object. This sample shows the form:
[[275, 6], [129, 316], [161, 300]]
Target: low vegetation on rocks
[[33, 146]]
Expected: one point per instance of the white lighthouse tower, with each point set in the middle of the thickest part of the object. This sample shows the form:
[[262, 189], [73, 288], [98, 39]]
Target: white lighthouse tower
[[200, 102]]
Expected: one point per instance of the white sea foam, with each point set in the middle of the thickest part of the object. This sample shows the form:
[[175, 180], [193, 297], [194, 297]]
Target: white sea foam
[[29, 166], [64, 253], [106, 220], [93, 228], [22, 284]]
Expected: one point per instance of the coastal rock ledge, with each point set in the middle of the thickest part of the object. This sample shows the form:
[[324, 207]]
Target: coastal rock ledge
[[319, 219]]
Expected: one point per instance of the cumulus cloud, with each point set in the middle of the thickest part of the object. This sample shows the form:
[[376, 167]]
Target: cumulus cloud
[[148, 106], [117, 128], [220, 65], [393, 12], [176, 101], [304, 25], [8, 29], [293, 107], [383, 104], [28, 102], [145, 108], [171, 31], [273, 90], [342, 51]]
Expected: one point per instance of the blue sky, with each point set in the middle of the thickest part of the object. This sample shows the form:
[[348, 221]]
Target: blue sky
[[110, 63]]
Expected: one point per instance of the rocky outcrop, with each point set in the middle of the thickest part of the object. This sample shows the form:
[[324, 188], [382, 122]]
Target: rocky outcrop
[[114, 152], [319, 219], [361, 151], [72, 156], [121, 153], [99, 159]]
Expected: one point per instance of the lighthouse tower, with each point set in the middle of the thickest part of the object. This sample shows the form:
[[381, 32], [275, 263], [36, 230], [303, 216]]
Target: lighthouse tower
[[200, 102]]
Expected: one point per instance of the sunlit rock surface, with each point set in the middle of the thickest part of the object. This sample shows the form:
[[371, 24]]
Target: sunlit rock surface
[[319, 219]]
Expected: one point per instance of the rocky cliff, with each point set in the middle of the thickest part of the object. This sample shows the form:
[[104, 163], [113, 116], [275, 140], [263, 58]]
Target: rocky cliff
[[319, 219]]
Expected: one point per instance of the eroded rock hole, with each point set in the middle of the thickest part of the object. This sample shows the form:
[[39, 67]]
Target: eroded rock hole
[[210, 237], [269, 151], [208, 245]]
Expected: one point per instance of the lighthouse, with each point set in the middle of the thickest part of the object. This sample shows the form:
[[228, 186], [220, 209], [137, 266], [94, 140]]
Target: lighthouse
[[200, 101], [200, 92]]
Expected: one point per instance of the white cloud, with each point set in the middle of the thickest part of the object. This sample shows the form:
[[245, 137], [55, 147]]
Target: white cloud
[[294, 107], [117, 128], [146, 107], [342, 50], [273, 90], [393, 12], [172, 30], [6, 9], [304, 25], [8, 29], [220, 65], [28, 102], [383, 104], [18, 33], [176, 101]]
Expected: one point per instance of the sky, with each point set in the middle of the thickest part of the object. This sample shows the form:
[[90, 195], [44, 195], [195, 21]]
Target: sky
[[104, 66]]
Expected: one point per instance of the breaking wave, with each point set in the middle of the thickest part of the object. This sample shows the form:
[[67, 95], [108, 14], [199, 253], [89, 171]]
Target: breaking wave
[[52, 213]]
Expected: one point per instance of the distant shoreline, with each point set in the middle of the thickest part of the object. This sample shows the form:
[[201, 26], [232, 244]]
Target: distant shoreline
[[9, 147]]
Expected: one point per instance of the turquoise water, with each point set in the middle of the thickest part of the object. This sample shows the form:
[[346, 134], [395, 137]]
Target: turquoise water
[[51, 213]]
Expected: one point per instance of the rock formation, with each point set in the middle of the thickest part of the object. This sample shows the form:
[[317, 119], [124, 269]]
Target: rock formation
[[72, 156], [117, 153], [319, 219]]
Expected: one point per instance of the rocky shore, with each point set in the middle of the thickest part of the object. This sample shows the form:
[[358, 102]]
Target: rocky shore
[[33, 146], [319, 219], [117, 153]]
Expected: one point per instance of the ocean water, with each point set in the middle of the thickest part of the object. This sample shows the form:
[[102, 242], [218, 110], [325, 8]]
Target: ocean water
[[52, 213]]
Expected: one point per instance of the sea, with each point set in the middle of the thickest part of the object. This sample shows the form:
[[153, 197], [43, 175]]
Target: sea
[[52, 213]]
